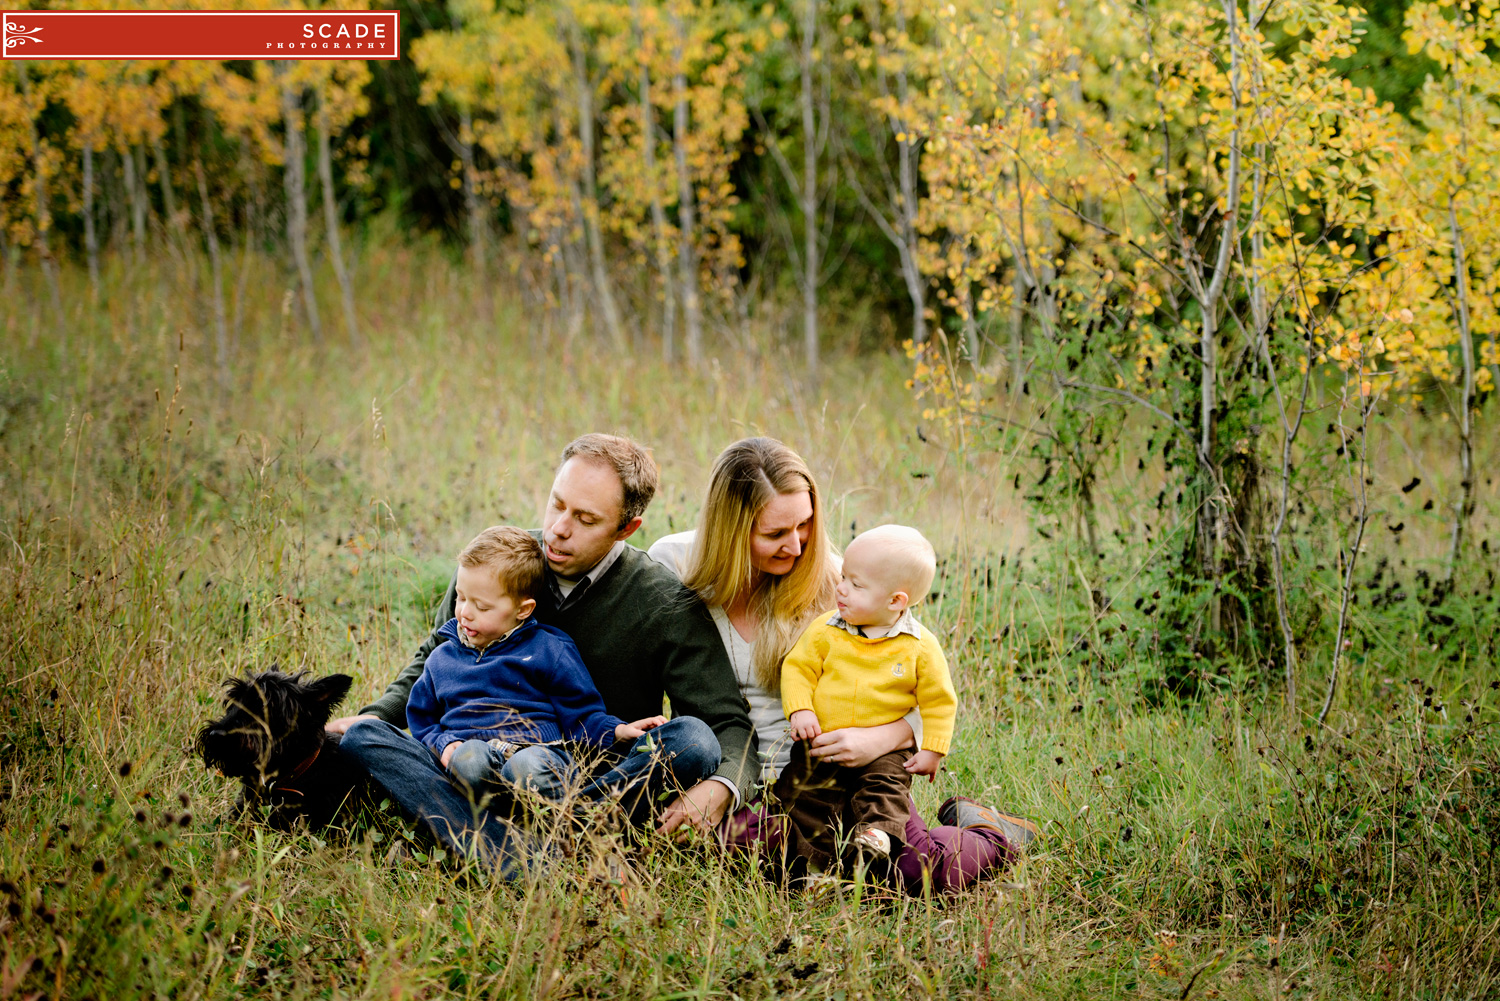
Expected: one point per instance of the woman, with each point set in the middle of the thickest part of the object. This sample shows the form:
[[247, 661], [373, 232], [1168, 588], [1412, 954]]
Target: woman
[[762, 561]]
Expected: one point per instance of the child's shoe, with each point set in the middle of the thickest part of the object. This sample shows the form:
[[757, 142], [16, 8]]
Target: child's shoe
[[506, 748], [962, 812], [872, 862], [873, 842]]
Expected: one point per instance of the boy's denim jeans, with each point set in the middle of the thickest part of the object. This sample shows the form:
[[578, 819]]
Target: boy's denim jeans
[[680, 753]]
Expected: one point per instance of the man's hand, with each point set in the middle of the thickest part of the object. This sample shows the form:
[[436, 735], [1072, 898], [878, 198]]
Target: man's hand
[[857, 746], [448, 753], [925, 763], [341, 725], [804, 725], [700, 808], [630, 731]]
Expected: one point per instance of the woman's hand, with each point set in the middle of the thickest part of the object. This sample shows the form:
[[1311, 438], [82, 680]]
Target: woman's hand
[[448, 752], [701, 808], [630, 731], [857, 746]]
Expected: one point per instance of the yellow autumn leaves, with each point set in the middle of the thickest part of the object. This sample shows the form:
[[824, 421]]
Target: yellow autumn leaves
[[1080, 158]]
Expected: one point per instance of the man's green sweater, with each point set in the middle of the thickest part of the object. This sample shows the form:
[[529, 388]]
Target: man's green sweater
[[641, 634]]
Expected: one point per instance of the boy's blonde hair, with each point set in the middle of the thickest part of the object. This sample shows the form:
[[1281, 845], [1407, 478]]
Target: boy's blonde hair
[[514, 556], [907, 556]]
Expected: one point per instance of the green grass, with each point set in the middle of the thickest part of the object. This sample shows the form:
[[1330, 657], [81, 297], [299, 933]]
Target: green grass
[[162, 532]]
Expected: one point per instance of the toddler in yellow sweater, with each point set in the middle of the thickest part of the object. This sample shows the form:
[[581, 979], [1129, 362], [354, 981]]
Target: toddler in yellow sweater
[[866, 664]]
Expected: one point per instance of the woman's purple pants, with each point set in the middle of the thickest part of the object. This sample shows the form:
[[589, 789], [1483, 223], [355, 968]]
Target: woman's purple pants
[[952, 858]]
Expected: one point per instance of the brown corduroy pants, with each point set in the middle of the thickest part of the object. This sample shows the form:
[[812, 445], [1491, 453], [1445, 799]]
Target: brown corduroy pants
[[826, 802]]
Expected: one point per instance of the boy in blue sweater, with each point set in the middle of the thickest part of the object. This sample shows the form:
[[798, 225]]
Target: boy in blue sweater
[[505, 697]]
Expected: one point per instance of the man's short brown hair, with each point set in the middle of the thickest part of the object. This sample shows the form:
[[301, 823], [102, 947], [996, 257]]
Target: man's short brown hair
[[632, 463], [515, 557]]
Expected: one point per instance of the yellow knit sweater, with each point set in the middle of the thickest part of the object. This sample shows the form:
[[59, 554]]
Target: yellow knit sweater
[[852, 680]]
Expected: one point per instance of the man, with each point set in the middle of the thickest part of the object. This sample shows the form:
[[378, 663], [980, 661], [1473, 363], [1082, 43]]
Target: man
[[641, 635]]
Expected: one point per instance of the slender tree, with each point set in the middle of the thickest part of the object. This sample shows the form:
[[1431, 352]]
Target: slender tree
[[211, 237], [887, 58], [687, 221], [331, 221], [661, 247], [294, 179], [586, 186]]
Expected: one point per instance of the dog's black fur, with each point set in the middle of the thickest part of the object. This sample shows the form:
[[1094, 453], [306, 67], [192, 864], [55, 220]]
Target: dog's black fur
[[271, 738]]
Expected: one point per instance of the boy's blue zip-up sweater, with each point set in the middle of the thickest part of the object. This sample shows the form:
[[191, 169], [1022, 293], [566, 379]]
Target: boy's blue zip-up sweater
[[529, 688]]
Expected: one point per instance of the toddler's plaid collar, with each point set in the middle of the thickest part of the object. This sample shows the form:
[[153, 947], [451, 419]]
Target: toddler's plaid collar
[[906, 624]]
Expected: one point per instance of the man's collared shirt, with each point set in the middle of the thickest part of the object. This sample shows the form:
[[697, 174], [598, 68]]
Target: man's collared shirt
[[567, 592], [907, 624]]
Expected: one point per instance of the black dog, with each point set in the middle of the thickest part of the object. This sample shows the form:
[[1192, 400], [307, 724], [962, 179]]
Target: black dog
[[272, 739]]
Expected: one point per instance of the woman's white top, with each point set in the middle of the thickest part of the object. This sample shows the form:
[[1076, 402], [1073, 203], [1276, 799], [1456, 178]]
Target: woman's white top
[[772, 732], [772, 735]]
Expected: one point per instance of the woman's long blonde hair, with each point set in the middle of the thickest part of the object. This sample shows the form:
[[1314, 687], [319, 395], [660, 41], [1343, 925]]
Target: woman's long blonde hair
[[746, 477]]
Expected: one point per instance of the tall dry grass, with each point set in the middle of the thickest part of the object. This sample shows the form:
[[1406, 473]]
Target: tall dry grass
[[164, 528]]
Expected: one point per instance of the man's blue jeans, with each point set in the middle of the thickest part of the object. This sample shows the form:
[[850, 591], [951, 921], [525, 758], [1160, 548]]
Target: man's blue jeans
[[680, 753]]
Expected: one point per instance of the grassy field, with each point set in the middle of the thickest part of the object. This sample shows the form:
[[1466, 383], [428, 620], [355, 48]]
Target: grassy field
[[163, 530]]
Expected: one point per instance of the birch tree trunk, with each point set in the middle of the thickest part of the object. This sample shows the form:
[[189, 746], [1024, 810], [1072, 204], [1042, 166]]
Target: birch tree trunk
[[971, 324], [570, 270], [142, 204], [254, 215], [907, 170], [660, 246], [584, 96], [1290, 427], [331, 223], [133, 189], [808, 197], [115, 204], [901, 195], [687, 225], [172, 226], [210, 234], [294, 178], [1211, 516], [90, 235], [164, 178], [1465, 505], [478, 231]]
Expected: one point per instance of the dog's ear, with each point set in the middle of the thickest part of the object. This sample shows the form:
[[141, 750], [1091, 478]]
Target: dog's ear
[[329, 691]]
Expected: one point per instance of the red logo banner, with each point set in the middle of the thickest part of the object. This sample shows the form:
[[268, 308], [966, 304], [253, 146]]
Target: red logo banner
[[200, 34]]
